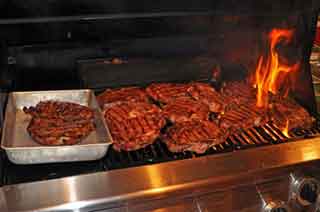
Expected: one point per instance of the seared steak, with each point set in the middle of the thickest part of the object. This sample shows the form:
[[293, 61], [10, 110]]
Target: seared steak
[[127, 110], [195, 136], [122, 94], [185, 109], [242, 117], [286, 113], [59, 123], [238, 93], [56, 109], [208, 95], [133, 125], [166, 92]]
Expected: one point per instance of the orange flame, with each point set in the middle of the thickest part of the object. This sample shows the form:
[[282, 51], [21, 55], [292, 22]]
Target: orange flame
[[285, 130], [267, 73]]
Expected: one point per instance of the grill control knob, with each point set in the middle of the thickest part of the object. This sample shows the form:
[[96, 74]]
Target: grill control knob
[[276, 206], [304, 190]]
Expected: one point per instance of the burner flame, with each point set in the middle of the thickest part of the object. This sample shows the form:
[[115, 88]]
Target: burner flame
[[267, 73], [285, 130]]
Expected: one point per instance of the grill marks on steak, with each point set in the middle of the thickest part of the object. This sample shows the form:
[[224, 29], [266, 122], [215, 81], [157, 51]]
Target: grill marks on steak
[[136, 123], [59, 123], [206, 94], [122, 94], [166, 92], [241, 111], [238, 93], [63, 110], [133, 125], [284, 111], [243, 117], [195, 136], [58, 132], [126, 110], [185, 109]]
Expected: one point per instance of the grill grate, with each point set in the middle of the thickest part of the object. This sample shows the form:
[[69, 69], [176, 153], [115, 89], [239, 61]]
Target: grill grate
[[267, 134], [155, 153]]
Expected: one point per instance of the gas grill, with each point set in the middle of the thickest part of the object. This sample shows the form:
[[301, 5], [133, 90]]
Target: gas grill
[[53, 45]]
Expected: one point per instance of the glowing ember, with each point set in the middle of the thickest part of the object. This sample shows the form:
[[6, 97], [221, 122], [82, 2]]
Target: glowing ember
[[267, 74], [285, 130]]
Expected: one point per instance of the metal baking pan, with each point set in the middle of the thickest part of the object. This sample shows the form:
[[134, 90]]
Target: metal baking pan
[[22, 149]]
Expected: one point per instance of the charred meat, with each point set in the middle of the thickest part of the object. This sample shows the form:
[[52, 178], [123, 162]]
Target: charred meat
[[59, 123], [243, 117], [122, 94], [134, 125], [185, 109], [208, 95], [288, 114], [127, 110], [166, 92], [238, 93], [195, 136]]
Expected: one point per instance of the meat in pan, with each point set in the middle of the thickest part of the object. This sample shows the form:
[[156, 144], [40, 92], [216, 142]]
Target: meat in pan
[[59, 123], [58, 109], [122, 94], [133, 125], [195, 136], [185, 109]]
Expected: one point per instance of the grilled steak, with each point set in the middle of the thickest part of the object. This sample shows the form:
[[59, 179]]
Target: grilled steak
[[127, 110], [133, 125], [286, 113], [59, 123], [185, 109], [208, 95], [238, 93], [242, 117], [195, 136], [166, 92], [122, 94]]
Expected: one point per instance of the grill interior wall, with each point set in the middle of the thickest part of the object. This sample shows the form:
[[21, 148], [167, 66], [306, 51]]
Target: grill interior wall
[[175, 48]]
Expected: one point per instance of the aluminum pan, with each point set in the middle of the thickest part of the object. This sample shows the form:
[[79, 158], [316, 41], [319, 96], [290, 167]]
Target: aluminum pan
[[20, 147]]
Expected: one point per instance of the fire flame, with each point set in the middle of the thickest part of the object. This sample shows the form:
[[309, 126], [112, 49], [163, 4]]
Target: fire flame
[[285, 130], [267, 73]]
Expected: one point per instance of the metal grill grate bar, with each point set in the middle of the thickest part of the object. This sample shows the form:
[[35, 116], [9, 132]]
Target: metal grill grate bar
[[266, 130], [258, 136], [247, 139], [158, 152], [278, 132]]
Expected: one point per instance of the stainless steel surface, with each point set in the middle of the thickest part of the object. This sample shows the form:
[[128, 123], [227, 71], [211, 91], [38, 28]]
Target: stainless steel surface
[[275, 206], [167, 205], [3, 203], [20, 147], [274, 199], [186, 178]]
